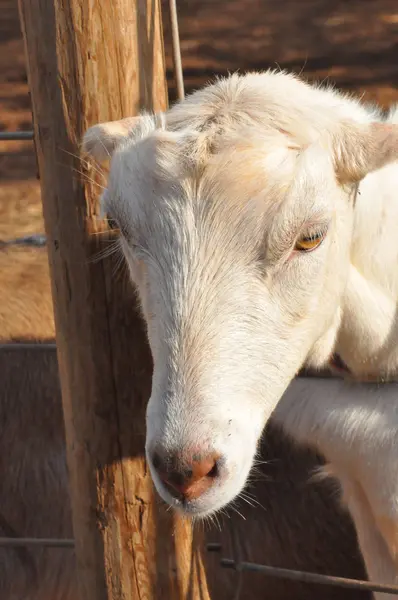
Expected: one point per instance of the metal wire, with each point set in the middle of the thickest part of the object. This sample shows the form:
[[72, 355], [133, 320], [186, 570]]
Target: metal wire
[[46, 542], [16, 135], [28, 346], [306, 577], [175, 40], [37, 239]]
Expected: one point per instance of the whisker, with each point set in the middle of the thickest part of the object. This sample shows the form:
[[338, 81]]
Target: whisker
[[85, 177], [217, 522], [110, 241], [88, 164], [103, 145], [236, 510], [257, 462], [210, 519], [88, 179], [119, 266], [224, 512], [303, 67], [199, 523], [246, 499], [80, 145], [105, 253], [269, 461], [258, 478]]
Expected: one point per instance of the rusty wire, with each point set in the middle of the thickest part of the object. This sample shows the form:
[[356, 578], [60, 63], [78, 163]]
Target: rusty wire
[[6, 542], [28, 346], [303, 576], [237, 565], [16, 136], [37, 240]]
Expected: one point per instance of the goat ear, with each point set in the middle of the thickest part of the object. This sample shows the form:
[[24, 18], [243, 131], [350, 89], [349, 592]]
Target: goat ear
[[360, 149], [100, 141]]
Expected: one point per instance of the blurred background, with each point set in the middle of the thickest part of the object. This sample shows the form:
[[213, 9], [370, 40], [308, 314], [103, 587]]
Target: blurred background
[[353, 43]]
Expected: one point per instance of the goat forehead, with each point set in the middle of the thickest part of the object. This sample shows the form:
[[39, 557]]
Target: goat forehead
[[166, 191], [156, 183], [200, 232]]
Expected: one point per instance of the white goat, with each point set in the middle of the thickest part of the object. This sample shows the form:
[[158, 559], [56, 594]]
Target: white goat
[[286, 515], [258, 221]]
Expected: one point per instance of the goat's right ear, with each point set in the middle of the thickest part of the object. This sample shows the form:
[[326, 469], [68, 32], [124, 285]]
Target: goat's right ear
[[360, 149], [100, 141]]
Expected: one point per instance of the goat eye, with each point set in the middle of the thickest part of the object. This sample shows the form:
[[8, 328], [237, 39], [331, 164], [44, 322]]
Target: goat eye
[[113, 224], [306, 243], [121, 230]]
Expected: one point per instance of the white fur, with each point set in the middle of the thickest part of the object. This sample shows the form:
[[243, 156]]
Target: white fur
[[211, 199], [355, 426]]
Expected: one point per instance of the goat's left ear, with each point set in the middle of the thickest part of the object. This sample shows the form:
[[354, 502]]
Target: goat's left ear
[[359, 149], [100, 141]]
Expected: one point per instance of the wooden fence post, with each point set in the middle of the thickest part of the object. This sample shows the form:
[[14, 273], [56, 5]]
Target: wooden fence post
[[91, 61]]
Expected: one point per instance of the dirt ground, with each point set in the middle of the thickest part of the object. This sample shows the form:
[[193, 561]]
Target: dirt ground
[[351, 42]]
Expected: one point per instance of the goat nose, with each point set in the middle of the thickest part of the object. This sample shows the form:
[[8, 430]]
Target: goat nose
[[190, 478]]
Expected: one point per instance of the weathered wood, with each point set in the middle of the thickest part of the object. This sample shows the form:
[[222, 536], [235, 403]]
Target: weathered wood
[[91, 61]]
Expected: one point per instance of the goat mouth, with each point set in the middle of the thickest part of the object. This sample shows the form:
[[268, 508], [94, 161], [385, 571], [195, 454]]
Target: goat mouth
[[194, 509], [188, 508]]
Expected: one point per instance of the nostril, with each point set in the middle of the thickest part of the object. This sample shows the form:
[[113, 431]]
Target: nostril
[[207, 467], [186, 475], [214, 471], [179, 478]]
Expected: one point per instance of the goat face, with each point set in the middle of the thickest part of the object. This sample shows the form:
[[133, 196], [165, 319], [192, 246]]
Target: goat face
[[238, 241]]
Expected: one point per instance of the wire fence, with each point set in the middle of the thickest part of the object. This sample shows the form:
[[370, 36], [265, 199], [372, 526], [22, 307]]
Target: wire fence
[[302, 576], [235, 563], [16, 136], [229, 563], [7, 542]]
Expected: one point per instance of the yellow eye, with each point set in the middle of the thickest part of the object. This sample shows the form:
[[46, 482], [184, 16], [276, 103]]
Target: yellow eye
[[310, 242]]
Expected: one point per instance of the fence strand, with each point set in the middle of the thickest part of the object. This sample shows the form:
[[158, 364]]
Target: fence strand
[[46, 542], [15, 136], [306, 577], [18, 346]]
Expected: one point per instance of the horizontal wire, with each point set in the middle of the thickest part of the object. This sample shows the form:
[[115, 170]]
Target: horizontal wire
[[47, 542], [306, 577], [16, 135], [28, 346], [279, 572]]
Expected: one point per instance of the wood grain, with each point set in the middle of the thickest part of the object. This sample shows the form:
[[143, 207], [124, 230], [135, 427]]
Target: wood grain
[[92, 61]]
